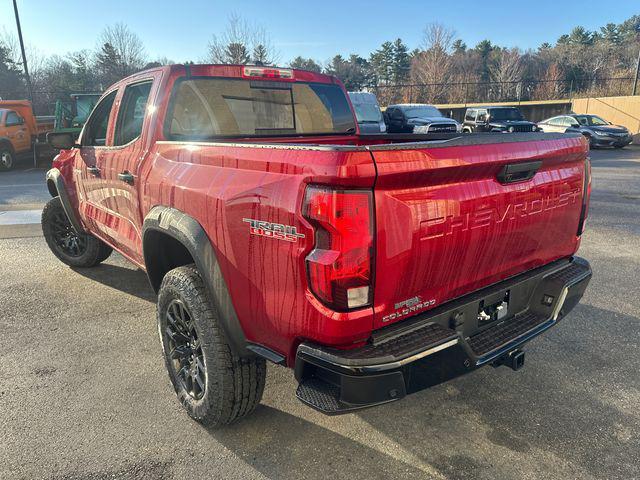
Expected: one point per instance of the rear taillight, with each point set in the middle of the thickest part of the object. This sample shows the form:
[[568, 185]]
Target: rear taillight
[[586, 193], [340, 267]]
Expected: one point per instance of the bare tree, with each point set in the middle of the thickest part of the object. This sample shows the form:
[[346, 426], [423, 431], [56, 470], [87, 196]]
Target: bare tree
[[35, 58], [507, 71], [432, 65], [242, 43], [551, 85], [127, 46]]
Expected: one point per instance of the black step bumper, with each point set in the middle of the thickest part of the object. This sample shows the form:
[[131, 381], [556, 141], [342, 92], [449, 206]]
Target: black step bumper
[[443, 343]]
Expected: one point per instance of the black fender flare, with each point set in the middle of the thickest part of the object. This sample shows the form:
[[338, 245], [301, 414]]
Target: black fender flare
[[188, 231], [55, 184]]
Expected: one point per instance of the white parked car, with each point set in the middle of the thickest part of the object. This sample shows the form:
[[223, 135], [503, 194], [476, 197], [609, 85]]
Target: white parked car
[[368, 112]]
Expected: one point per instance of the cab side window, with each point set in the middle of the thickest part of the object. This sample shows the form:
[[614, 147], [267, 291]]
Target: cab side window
[[132, 112], [13, 119], [482, 116], [95, 134], [470, 116]]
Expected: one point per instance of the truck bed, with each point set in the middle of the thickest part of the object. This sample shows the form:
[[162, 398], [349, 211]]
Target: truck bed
[[422, 184]]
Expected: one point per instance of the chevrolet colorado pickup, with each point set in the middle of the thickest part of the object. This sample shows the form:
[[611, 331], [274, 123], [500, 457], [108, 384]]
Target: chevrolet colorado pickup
[[374, 266]]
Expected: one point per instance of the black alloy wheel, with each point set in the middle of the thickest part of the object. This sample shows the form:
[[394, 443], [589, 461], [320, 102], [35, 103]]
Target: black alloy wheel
[[185, 349], [66, 237]]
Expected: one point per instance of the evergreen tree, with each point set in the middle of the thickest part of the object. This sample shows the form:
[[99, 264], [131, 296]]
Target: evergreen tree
[[580, 36], [459, 47], [381, 62], [611, 33], [236, 53], [401, 64], [352, 72], [261, 55], [305, 64], [484, 49], [108, 65], [11, 84]]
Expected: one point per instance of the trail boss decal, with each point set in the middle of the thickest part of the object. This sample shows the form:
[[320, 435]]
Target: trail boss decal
[[278, 231]]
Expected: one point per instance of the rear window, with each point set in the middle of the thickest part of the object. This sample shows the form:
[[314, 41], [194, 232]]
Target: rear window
[[204, 108]]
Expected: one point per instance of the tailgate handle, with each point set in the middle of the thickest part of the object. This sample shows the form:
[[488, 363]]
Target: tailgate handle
[[518, 172]]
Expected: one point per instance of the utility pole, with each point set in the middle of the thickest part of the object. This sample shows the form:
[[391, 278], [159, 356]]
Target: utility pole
[[24, 57], [635, 80]]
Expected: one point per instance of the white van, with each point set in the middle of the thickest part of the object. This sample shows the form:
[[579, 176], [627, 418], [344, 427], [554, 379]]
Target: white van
[[368, 112]]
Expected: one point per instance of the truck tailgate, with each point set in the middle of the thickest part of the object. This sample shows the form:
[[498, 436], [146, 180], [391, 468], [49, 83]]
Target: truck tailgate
[[449, 223]]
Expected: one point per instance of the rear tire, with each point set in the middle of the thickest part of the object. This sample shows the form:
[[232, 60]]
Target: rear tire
[[75, 249], [213, 384], [7, 158]]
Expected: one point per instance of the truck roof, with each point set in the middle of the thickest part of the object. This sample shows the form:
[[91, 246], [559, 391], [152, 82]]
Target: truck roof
[[241, 71]]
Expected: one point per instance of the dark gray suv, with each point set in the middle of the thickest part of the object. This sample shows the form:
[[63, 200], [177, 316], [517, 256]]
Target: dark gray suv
[[599, 132]]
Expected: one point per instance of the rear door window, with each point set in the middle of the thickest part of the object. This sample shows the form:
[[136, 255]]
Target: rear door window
[[132, 112], [210, 107]]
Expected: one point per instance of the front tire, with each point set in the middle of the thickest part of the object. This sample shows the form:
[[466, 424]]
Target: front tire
[[213, 384], [6, 158], [75, 249]]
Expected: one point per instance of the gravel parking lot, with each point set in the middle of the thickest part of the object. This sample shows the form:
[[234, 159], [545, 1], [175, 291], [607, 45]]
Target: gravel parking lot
[[84, 393]]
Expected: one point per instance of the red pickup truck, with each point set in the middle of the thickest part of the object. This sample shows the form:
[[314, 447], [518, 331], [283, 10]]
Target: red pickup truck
[[375, 266]]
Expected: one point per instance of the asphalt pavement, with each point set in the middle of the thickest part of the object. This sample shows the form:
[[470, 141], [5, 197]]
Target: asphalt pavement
[[84, 393]]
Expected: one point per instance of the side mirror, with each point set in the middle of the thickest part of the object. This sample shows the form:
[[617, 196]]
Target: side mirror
[[575, 125], [61, 140]]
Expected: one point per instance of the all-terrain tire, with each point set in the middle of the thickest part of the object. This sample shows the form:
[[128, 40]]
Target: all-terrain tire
[[61, 238], [233, 385]]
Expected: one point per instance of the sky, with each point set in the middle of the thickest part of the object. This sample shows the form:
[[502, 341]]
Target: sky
[[181, 30]]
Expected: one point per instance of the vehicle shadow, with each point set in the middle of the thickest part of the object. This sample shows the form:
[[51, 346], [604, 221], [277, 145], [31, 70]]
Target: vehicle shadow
[[283, 446], [571, 413], [128, 280]]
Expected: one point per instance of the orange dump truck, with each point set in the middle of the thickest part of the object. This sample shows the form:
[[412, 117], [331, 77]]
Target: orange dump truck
[[19, 130]]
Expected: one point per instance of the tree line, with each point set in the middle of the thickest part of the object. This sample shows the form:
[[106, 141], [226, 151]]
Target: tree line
[[442, 69]]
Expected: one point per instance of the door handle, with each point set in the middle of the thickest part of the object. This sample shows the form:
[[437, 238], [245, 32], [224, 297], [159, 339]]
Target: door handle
[[126, 177], [95, 171]]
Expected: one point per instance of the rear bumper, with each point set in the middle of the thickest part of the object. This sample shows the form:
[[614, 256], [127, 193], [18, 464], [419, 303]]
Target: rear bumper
[[440, 345]]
